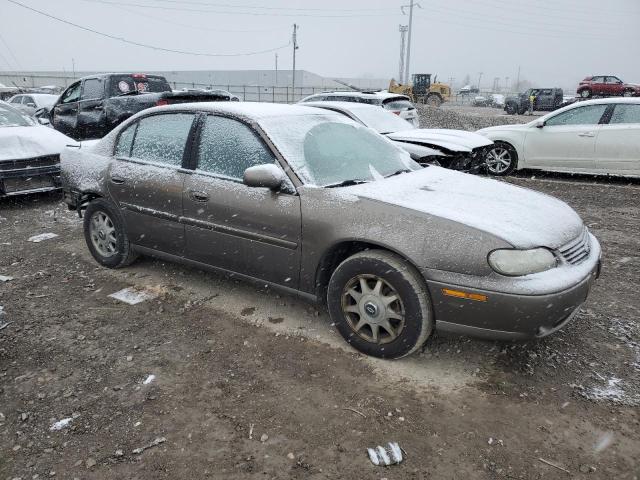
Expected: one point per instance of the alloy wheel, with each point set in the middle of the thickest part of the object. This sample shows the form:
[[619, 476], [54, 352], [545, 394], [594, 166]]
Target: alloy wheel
[[103, 234], [498, 160], [373, 309]]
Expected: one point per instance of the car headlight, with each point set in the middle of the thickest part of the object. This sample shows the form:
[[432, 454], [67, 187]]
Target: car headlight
[[522, 262]]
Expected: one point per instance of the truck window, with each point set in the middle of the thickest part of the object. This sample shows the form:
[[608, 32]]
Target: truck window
[[92, 89], [72, 94], [122, 84]]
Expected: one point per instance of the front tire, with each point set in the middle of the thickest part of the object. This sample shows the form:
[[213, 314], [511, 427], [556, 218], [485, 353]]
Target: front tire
[[434, 100], [105, 234], [501, 159], [628, 93], [380, 304]]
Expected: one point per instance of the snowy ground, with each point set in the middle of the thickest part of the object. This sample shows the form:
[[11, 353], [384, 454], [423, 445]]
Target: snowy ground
[[208, 377]]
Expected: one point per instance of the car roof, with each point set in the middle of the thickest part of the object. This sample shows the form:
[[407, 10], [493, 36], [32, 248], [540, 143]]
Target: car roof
[[344, 106], [608, 100], [252, 110], [382, 95]]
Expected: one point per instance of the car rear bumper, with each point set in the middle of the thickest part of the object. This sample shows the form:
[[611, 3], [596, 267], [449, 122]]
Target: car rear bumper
[[508, 316]]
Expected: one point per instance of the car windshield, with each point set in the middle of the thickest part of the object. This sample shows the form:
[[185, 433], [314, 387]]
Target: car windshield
[[12, 118], [328, 150], [381, 120], [46, 101]]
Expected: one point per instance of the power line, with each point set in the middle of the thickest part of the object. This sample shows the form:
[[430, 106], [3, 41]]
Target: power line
[[180, 24], [260, 7], [10, 52], [259, 14], [144, 45]]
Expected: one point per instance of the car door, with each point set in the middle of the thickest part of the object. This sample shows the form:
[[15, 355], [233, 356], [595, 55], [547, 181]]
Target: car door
[[251, 231], [613, 86], [91, 115], [64, 116], [566, 141], [618, 143], [147, 178], [544, 100]]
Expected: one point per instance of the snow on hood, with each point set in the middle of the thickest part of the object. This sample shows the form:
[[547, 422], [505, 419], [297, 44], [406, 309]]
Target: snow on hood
[[32, 141], [454, 140], [524, 218]]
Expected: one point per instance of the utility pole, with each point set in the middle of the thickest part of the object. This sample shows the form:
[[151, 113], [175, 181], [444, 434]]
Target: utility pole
[[276, 69], [518, 81], [506, 84], [407, 67], [479, 78], [295, 47], [403, 35], [73, 66]]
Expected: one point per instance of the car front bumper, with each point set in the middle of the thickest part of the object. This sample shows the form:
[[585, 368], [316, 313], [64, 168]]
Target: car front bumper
[[16, 180], [513, 315]]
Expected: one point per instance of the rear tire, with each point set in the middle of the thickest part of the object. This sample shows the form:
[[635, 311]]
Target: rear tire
[[105, 234], [511, 108], [501, 159], [585, 93], [380, 304]]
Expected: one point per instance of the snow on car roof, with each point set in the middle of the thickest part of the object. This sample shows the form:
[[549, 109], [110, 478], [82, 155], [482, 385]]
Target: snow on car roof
[[254, 110]]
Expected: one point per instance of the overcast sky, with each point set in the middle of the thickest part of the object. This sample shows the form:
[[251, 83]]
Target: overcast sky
[[556, 42]]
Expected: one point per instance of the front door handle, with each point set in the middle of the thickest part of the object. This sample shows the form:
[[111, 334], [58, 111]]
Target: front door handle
[[198, 196], [117, 180], [587, 134]]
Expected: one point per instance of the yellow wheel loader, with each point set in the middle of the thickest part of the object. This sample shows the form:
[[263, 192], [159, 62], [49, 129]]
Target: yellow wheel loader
[[422, 90]]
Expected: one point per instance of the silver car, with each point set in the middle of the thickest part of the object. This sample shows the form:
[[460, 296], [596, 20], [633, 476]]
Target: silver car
[[314, 203]]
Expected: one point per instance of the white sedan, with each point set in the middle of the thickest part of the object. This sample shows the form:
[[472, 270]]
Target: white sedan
[[599, 137]]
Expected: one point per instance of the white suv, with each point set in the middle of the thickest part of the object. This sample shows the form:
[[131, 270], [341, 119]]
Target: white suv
[[398, 104]]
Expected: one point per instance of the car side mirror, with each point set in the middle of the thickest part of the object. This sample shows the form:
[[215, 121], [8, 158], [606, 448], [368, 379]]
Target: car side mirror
[[267, 176], [43, 116], [539, 124]]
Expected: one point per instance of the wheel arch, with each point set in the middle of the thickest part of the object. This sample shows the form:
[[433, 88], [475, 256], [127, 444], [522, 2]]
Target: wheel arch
[[340, 251]]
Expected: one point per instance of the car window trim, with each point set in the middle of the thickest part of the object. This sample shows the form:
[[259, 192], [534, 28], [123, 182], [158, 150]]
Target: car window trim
[[608, 113]]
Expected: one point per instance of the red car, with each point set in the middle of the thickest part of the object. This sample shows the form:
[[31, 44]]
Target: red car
[[606, 86]]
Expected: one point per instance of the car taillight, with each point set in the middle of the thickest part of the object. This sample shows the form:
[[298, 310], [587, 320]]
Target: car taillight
[[162, 102], [397, 112]]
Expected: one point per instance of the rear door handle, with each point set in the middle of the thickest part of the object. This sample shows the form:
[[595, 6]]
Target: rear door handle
[[198, 196], [117, 180], [587, 134]]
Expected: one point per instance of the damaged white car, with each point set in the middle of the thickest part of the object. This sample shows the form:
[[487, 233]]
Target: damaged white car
[[454, 149], [29, 154]]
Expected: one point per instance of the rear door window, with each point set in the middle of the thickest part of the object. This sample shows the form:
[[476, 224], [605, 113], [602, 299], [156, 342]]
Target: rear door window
[[228, 147], [17, 100], [92, 89], [626, 113], [162, 138]]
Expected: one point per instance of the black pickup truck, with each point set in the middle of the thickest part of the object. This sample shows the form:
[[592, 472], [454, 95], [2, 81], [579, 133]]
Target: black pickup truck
[[91, 107], [547, 99]]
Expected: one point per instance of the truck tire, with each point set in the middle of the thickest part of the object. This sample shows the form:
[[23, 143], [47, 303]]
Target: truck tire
[[434, 100], [380, 304], [511, 108]]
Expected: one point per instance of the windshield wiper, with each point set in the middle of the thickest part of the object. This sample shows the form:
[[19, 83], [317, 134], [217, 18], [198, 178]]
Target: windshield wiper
[[398, 172], [346, 183]]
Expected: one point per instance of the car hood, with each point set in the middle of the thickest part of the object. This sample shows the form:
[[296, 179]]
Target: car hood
[[522, 217], [32, 141], [454, 140]]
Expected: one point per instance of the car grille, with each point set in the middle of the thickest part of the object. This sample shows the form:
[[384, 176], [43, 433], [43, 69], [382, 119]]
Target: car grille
[[578, 249], [26, 163]]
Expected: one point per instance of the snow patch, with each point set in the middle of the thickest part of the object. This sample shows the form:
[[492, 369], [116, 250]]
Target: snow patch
[[42, 237], [60, 424], [133, 295]]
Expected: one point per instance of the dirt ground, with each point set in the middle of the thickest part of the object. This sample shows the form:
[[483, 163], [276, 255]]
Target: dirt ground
[[250, 383]]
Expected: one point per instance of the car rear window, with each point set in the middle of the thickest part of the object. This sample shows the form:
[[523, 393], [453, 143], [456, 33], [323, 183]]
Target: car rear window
[[397, 104], [122, 84]]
